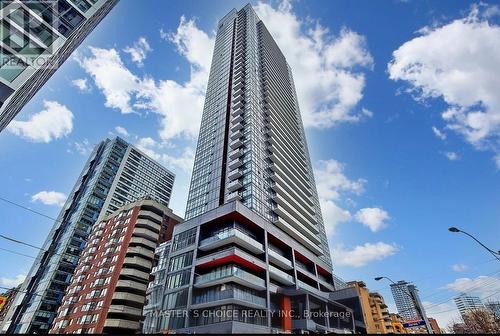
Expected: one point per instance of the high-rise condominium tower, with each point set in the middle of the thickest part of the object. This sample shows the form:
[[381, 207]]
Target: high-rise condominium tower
[[253, 248], [408, 302], [116, 173], [465, 303], [36, 37]]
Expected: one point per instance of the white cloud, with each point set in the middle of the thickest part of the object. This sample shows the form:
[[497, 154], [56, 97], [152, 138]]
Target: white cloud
[[84, 147], [482, 286], [496, 159], [81, 84], [179, 104], [331, 183], [122, 131], [333, 215], [327, 69], [138, 51], [331, 180], [361, 255], [459, 267], [49, 198], [373, 218], [156, 151], [12, 282], [439, 133], [452, 156], [111, 76], [54, 122], [460, 63]]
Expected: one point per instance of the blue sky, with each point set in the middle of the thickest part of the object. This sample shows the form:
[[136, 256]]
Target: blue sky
[[401, 109]]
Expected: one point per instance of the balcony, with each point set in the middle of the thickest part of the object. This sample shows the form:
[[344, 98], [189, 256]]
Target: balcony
[[231, 236], [148, 224], [234, 174], [236, 127], [233, 164], [138, 262], [280, 276], [146, 233], [140, 251], [238, 111], [293, 232], [305, 271], [134, 273], [234, 196], [235, 185], [238, 92], [237, 119], [235, 154], [238, 104], [236, 143], [126, 310], [150, 215], [121, 296], [298, 225], [236, 134], [307, 287], [130, 284], [237, 99], [239, 83], [279, 260], [229, 297], [121, 324], [142, 241], [234, 274], [235, 254]]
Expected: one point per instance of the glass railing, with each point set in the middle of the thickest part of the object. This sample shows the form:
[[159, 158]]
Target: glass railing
[[278, 256], [229, 294], [231, 233], [304, 269], [280, 273], [305, 286], [230, 271]]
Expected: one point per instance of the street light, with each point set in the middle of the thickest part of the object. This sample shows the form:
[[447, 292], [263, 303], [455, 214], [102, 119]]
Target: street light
[[415, 303], [495, 254]]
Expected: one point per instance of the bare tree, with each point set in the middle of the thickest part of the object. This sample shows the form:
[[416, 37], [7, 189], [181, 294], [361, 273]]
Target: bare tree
[[479, 321]]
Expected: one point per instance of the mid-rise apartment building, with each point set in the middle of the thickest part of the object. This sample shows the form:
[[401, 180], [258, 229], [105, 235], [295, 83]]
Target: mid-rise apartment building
[[252, 255], [116, 173], [370, 310], [36, 38], [108, 290]]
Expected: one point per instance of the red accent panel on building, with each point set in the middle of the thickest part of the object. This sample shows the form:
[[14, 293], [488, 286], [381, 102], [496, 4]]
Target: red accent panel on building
[[286, 313]]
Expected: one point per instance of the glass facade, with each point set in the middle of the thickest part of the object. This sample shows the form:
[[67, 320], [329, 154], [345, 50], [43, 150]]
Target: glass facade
[[93, 196], [36, 37], [252, 145]]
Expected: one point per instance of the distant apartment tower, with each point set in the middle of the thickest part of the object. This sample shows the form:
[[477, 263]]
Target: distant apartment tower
[[254, 238], [466, 303], [108, 289], [402, 293], [36, 38], [116, 173]]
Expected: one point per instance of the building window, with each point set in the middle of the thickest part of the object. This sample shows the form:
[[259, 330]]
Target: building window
[[184, 239], [180, 261], [178, 279]]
